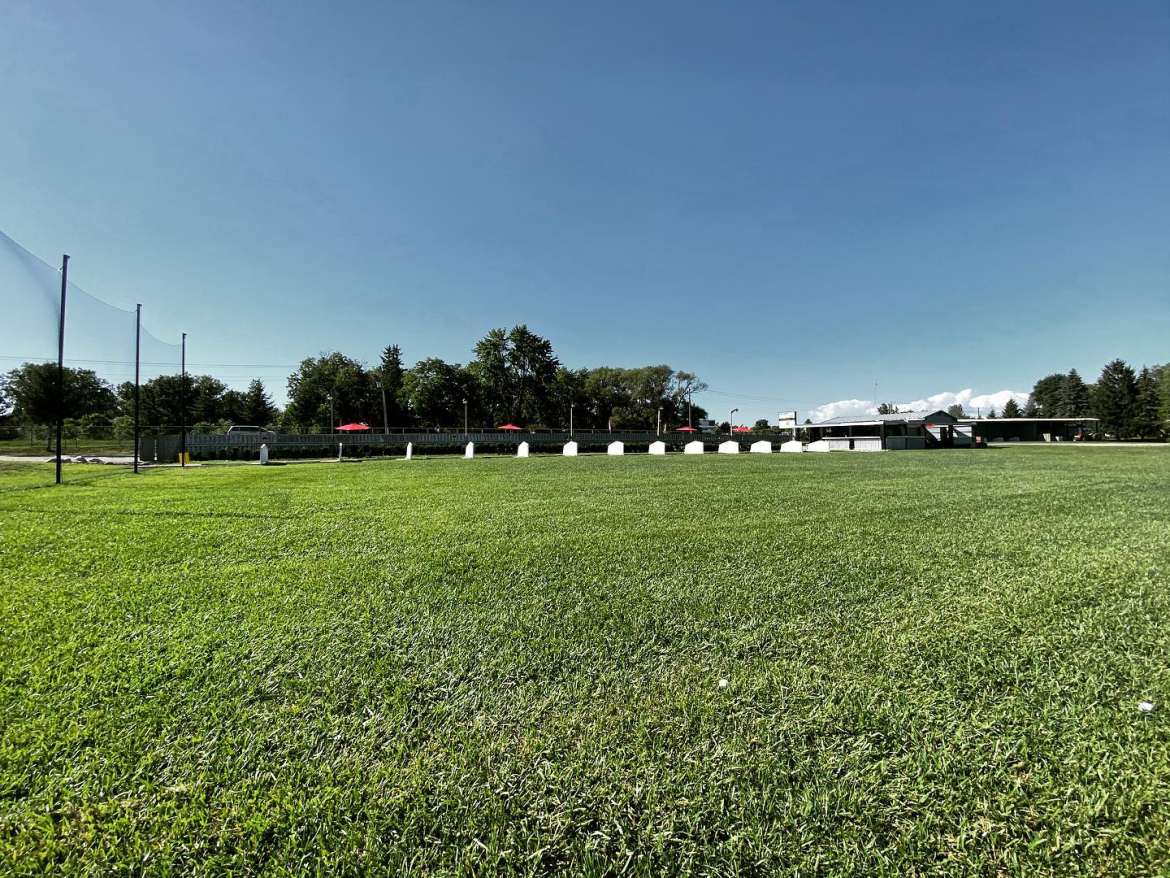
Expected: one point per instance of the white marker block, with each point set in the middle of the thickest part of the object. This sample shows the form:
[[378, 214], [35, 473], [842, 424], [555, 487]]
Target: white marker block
[[658, 448], [522, 451], [761, 447], [339, 447], [792, 445], [409, 450], [469, 451], [695, 447], [264, 454], [616, 448], [819, 445], [729, 447], [570, 449]]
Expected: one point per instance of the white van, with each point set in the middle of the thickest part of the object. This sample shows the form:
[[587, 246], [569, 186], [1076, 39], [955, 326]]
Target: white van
[[248, 430]]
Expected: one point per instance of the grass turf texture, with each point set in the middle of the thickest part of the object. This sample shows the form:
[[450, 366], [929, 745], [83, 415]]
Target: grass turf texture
[[935, 664]]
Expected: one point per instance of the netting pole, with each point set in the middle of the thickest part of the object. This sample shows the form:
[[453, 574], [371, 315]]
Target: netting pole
[[183, 408], [61, 360], [137, 363]]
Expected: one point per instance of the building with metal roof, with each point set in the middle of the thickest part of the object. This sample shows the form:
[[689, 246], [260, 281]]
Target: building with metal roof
[[1033, 429], [893, 432]]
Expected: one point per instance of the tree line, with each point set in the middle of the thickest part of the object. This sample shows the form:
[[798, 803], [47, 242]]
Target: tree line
[[1129, 404], [514, 376]]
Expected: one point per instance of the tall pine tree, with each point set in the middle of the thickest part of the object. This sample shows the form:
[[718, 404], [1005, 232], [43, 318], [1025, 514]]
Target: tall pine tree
[[1147, 420], [257, 407], [1011, 409], [1115, 399], [1073, 401]]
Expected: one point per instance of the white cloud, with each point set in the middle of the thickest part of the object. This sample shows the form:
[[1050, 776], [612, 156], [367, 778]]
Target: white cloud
[[972, 403]]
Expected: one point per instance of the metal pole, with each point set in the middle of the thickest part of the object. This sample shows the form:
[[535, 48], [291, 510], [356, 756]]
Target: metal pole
[[61, 361], [385, 417], [137, 364], [331, 431], [689, 424], [731, 422], [658, 425], [183, 407], [572, 406], [464, 420]]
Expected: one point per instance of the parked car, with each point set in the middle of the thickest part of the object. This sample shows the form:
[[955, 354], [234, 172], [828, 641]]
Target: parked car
[[250, 430]]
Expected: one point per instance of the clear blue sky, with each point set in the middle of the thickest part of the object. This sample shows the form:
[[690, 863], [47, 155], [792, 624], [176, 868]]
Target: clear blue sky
[[793, 200]]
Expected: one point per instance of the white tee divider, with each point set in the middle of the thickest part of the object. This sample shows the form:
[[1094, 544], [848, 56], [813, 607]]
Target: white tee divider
[[570, 449], [819, 445], [695, 447], [729, 447], [522, 450], [409, 450], [658, 448], [616, 448], [761, 447], [469, 451], [792, 446]]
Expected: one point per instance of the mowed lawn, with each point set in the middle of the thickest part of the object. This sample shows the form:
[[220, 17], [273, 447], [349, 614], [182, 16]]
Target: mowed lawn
[[934, 660]]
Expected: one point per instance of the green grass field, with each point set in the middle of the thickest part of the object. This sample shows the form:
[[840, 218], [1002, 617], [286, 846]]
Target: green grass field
[[934, 666]]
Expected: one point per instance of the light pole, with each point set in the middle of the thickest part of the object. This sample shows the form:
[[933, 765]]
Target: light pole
[[731, 422], [464, 420], [329, 396], [689, 424], [572, 406], [385, 419], [658, 428]]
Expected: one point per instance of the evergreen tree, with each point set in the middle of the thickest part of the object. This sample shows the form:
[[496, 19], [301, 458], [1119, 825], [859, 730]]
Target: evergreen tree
[[390, 373], [1162, 377], [1073, 401], [1031, 410], [257, 407], [991, 414], [1147, 420], [955, 410], [1115, 399], [1012, 409]]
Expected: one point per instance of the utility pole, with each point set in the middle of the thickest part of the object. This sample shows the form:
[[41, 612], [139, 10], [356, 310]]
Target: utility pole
[[137, 364], [61, 362], [183, 407], [689, 424], [385, 420]]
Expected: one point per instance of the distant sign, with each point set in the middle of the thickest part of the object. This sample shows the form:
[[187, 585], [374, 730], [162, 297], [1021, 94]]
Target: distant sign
[[787, 420]]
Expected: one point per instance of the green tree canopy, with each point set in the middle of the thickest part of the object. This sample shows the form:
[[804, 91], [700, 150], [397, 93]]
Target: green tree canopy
[[1011, 409], [955, 410], [1047, 393], [318, 378], [433, 392], [31, 390]]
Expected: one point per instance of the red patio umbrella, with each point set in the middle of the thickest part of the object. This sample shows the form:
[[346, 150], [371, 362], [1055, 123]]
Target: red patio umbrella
[[685, 430], [510, 427], [741, 429], [352, 428]]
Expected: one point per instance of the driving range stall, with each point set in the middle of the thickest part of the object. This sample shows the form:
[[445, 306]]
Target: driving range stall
[[1033, 429], [903, 431]]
